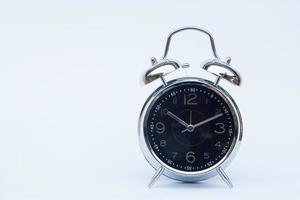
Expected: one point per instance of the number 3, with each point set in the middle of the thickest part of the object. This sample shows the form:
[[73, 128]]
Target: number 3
[[220, 128]]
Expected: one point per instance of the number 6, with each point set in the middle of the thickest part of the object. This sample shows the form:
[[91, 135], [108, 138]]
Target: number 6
[[190, 157]]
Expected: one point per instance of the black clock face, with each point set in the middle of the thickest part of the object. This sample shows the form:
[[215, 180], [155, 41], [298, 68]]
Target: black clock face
[[190, 127]]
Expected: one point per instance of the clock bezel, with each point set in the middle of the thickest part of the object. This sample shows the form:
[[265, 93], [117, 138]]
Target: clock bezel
[[181, 175]]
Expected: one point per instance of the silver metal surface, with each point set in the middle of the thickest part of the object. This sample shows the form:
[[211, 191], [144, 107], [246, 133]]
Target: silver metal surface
[[224, 177], [212, 43], [217, 80], [160, 69], [216, 66], [153, 60], [163, 80], [156, 176], [178, 174], [222, 70]]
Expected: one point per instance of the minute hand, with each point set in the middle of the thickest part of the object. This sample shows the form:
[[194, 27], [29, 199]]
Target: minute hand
[[208, 120]]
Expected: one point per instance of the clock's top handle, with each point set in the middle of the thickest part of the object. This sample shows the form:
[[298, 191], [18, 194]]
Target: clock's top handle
[[215, 66], [212, 43]]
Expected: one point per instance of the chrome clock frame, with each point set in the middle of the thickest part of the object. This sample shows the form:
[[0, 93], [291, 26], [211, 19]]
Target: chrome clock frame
[[176, 174]]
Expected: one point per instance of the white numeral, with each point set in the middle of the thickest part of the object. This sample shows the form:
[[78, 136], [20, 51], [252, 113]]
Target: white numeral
[[190, 157], [220, 128], [189, 99], [218, 144], [163, 143], [206, 155], [160, 127], [174, 154]]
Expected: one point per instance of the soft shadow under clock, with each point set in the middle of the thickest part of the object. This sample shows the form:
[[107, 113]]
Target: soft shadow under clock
[[189, 185]]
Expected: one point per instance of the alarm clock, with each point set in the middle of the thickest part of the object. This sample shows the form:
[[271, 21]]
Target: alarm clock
[[190, 128]]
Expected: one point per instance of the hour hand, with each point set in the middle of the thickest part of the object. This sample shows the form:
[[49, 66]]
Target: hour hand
[[176, 118]]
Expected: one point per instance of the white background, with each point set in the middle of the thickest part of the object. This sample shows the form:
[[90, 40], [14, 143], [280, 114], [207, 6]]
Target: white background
[[70, 95]]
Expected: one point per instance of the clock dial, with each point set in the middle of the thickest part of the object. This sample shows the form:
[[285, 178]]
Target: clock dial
[[190, 127]]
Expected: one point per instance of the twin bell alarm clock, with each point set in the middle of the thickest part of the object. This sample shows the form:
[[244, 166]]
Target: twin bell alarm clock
[[190, 128]]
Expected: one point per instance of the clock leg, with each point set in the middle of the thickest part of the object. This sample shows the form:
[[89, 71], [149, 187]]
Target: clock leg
[[156, 176], [224, 177]]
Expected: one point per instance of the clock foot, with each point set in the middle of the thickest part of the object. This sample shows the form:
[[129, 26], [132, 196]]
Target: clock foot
[[224, 177], [156, 176]]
